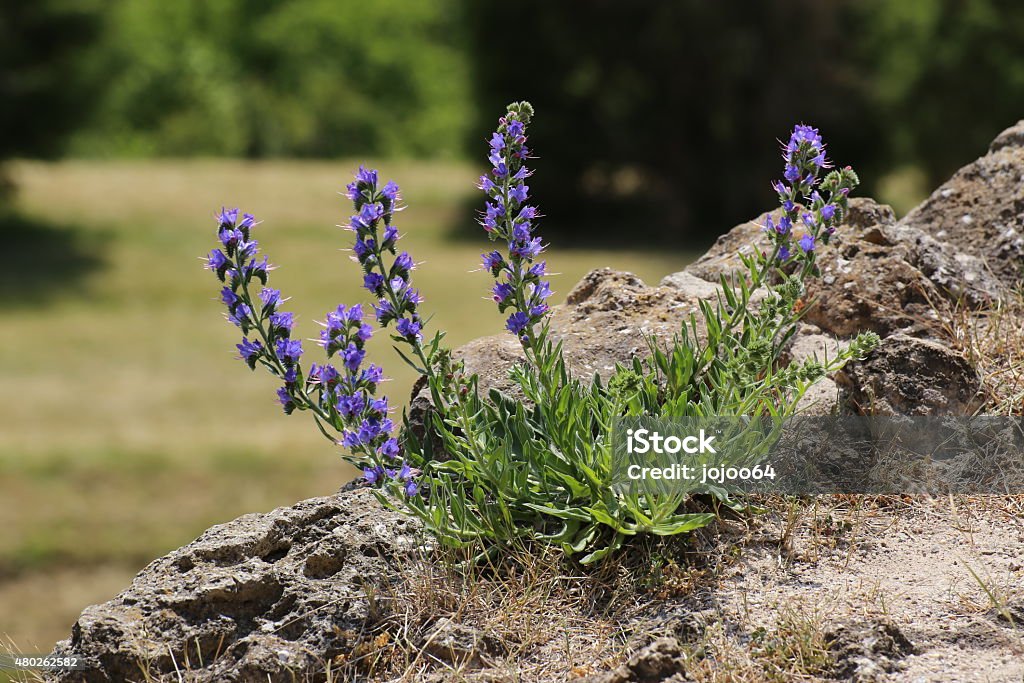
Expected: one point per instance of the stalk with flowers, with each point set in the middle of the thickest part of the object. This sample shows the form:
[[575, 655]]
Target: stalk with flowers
[[519, 285], [489, 470]]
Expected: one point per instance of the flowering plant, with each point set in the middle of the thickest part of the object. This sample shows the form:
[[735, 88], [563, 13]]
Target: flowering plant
[[484, 471]]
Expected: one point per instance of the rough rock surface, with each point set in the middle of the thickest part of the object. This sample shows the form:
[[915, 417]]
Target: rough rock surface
[[274, 597], [979, 212], [662, 661], [876, 274], [257, 599], [867, 650], [604, 320], [908, 376]]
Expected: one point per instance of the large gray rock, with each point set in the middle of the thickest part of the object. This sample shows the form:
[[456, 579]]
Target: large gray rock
[[267, 597]]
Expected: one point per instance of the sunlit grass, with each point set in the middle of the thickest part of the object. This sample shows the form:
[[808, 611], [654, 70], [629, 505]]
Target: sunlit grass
[[127, 426]]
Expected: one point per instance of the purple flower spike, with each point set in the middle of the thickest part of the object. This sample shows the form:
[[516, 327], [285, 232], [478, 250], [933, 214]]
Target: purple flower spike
[[385, 275], [817, 203], [508, 217]]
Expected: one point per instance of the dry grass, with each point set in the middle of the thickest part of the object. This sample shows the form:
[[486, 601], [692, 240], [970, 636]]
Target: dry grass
[[992, 341], [535, 618], [795, 648]]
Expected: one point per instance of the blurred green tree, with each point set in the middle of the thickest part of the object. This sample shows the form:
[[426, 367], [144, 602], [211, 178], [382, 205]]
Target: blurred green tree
[[307, 78], [43, 93], [949, 75]]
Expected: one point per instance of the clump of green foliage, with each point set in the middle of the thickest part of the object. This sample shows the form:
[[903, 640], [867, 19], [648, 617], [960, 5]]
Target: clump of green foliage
[[489, 469]]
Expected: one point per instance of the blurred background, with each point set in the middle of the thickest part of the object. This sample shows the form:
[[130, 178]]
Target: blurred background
[[126, 428]]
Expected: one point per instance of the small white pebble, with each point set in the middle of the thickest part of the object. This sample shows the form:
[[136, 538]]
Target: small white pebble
[[966, 219], [946, 193]]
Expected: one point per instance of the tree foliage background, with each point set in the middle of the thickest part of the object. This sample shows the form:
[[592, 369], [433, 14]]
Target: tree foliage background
[[655, 116]]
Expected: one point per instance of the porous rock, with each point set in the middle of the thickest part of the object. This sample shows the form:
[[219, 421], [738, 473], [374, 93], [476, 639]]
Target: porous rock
[[867, 650], [662, 661], [909, 376], [267, 597], [979, 212]]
